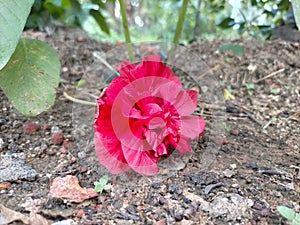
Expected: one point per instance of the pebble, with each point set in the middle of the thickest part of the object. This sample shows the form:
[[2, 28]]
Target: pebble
[[55, 129], [233, 166], [235, 132], [13, 168], [30, 128], [203, 177], [253, 165], [231, 207], [81, 154], [1, 143], [13, 146], [2, 121], [156, 184], [57, 138], [174, 188]]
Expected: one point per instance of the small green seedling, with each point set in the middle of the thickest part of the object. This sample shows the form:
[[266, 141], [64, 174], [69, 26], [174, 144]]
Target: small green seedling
[[274, 91], [102, 184], [289, 214], [250, 86]]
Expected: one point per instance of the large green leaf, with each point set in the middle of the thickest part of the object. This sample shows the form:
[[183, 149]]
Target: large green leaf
[[100, 20], [13, 15], [31, 76], [296, 8]]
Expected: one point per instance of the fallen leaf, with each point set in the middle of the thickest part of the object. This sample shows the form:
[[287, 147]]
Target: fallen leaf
[[228, 95], [68, 188], [36, 219], [8, 215]]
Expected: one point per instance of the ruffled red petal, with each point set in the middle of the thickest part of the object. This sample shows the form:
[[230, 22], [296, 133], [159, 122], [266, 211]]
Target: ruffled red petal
[[143, 162], [110, 154]]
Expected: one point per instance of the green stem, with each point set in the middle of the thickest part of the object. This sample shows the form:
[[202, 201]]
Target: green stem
[[126, 30], [180, 21], [178, 30]]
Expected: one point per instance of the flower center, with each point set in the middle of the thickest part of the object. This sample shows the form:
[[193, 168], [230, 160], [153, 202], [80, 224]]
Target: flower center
[[156, 123]]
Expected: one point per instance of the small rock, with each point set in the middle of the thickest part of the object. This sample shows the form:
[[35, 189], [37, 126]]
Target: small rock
[[235, 132], [46, 127], [203, 177], [68, 144], [13, 168], [57, 138], [80, 213], [55, 129], [30, 128], [63, 150], [81, 154], [80, 39], [178, 216], [233, 166], [253, 165], [1, 143], [156, 184], [2, 121], [13, 146], [231, 207], [229, 173], [174, 188]]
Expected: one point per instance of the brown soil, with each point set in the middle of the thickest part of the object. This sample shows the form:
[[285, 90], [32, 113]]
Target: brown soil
[[259, 158]]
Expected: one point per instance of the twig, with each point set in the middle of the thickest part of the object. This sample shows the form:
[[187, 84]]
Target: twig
[[98, 56], [78, 100], [292, 117], [267, 124], [216, 67], [270, 75]]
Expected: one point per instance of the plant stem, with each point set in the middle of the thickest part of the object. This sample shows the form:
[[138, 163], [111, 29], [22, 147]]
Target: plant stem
[[126, 30], [178, 30], [180, 21]]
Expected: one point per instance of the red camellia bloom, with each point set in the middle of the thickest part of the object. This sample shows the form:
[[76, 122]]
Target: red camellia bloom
[[141, 114]]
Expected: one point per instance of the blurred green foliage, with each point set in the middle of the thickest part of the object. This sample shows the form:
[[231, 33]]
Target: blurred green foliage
[[67, 12], [156, 20]]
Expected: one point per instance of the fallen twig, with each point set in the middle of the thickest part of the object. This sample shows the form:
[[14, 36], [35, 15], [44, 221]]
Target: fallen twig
[[83, 102], [98, 56], [270, 75], [216, 67]]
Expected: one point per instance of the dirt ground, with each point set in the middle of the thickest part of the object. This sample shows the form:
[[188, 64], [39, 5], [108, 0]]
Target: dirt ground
[[245, 165]]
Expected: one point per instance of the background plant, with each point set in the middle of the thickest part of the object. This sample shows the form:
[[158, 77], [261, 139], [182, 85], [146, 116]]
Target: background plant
[[29, 69], [289, 214]]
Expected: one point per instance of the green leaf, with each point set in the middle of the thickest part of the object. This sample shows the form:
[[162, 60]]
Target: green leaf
[[103, 180], [100, 20], [296, 220], [227, 23], [237, 49], [296, 9], [13, 15], [31, 76], [286, 212], [250, 86]]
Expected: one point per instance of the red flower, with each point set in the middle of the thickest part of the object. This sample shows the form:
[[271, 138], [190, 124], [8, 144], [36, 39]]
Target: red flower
[[141, 114]]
